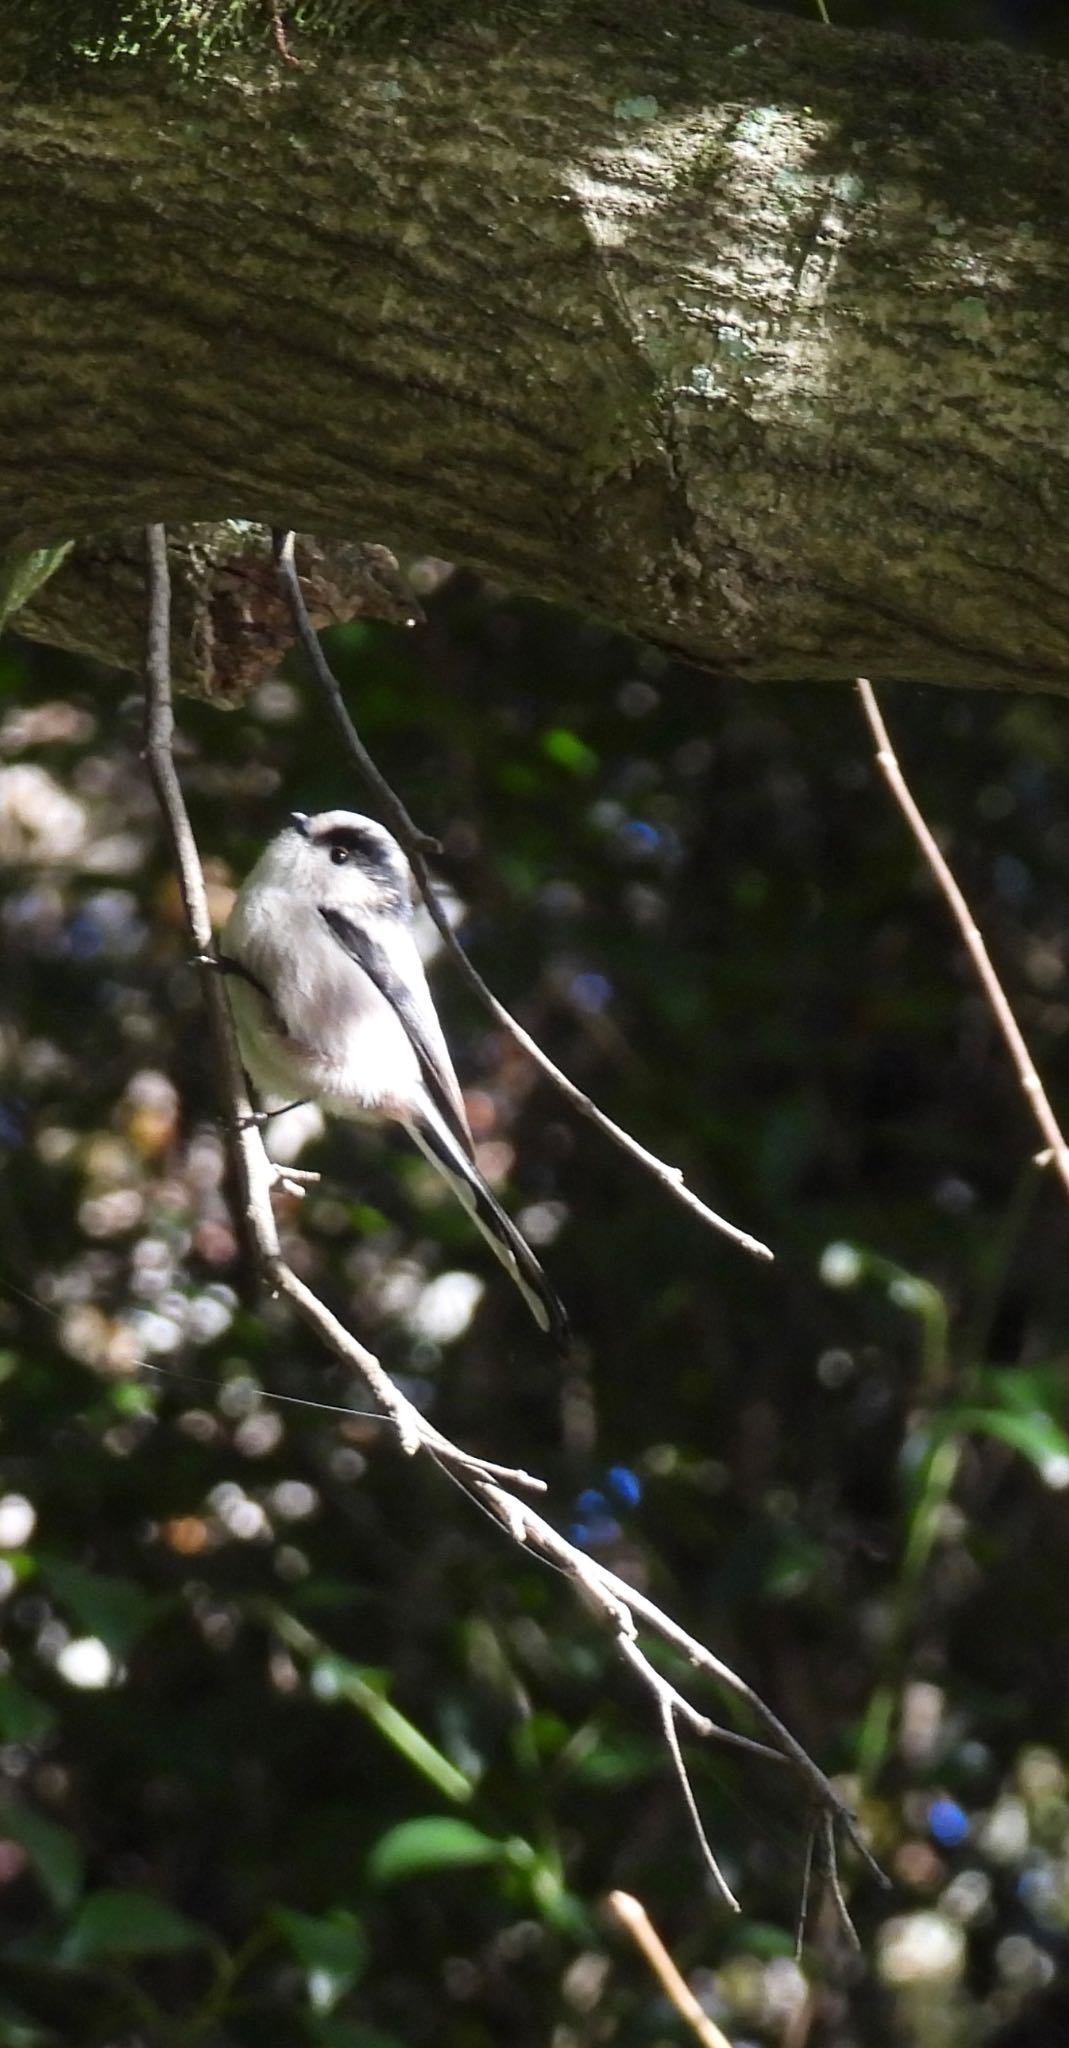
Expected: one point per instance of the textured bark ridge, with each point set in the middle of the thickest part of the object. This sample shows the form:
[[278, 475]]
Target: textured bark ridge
[[749, 335], [230, 621]]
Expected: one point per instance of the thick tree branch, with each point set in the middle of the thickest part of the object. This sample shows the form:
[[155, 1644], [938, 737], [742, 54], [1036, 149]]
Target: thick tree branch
[[742, 332], [229, 629]]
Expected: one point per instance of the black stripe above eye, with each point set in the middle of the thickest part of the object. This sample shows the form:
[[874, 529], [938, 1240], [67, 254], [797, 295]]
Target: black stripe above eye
[[355, 839]]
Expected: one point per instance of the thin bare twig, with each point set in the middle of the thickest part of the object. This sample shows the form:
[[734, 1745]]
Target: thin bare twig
[[826, 1837], [671, 1702], [632, 1915], [417, 844], [664, 1690], [619, 1605], [623, 1607], [1031, 1084], [253, 1174], [671, 1740], [807, 1879]]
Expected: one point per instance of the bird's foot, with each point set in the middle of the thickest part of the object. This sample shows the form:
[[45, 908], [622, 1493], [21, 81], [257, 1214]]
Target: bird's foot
[[292, 1180], [257, 1119]]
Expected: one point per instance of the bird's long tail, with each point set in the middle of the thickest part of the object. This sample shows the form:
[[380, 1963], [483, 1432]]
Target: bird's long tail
[[437, 1142]]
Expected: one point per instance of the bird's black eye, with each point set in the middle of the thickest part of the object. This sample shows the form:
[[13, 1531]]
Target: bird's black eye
[[339, 855]]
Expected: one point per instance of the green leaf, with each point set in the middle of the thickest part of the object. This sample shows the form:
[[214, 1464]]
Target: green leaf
[[23, 1717], [18, 2030], [114, 1923], [760, 1938], [335, 1678], [1036, 1436], [128, 1397], [53, 1852], [1026, 1388], [435, 1842], [333, 1951], [114, 1609], [612, 1760], [22, 574], [566, 750], [328, 2033], [560, 1907]]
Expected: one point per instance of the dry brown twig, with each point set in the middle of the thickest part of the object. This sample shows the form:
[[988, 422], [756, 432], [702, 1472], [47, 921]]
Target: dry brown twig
[[618, 1606], [632, 1915], [1057, 1152], [417, 845]]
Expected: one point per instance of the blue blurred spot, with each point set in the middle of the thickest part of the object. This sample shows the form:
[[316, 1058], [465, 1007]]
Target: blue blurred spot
[[107, 923], [948, 1823], [12, 1123], [83, 935], [625, 1484], [591, 991], [1013, 880], [639, 837], [1040, 1890], [595, 1523], [590, 1535]]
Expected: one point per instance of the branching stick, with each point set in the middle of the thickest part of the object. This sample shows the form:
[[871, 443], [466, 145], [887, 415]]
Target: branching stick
[[253, 1173], [417, 844], [619, 1606]]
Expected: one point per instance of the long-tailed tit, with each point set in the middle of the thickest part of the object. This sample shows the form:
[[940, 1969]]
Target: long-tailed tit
[[331, 1004]]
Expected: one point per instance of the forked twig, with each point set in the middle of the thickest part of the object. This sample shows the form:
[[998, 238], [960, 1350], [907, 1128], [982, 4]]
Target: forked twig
[[632, 1915], [253, 1173], [830, 1864], [671, 1742], [623, 1607], [1031, 1084], [619, 1605], [417, 845]]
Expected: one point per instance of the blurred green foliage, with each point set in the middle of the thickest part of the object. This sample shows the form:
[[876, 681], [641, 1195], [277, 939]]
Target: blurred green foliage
[[294, 1749]]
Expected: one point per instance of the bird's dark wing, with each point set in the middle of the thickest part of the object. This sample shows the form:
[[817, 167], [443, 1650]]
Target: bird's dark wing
[[272, 1018], [498, 1228], [438, 1076], [225, 963]]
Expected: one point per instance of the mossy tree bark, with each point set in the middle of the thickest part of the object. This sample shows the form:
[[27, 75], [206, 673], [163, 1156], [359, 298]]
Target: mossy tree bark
[[749, 335]]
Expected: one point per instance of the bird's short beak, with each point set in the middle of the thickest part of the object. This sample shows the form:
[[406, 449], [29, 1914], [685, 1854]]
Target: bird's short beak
[[299, 821]]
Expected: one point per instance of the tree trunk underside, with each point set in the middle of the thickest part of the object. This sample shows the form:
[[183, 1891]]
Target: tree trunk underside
[[750, 336]]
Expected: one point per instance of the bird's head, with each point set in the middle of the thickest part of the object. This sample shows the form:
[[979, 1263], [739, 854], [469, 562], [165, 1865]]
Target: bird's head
[[343, 860]]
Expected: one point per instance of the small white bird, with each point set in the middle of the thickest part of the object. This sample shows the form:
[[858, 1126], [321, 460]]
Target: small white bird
[[332, 1005]]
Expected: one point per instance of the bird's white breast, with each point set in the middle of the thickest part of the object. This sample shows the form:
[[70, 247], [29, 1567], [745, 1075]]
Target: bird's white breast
[[332, 1035]]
